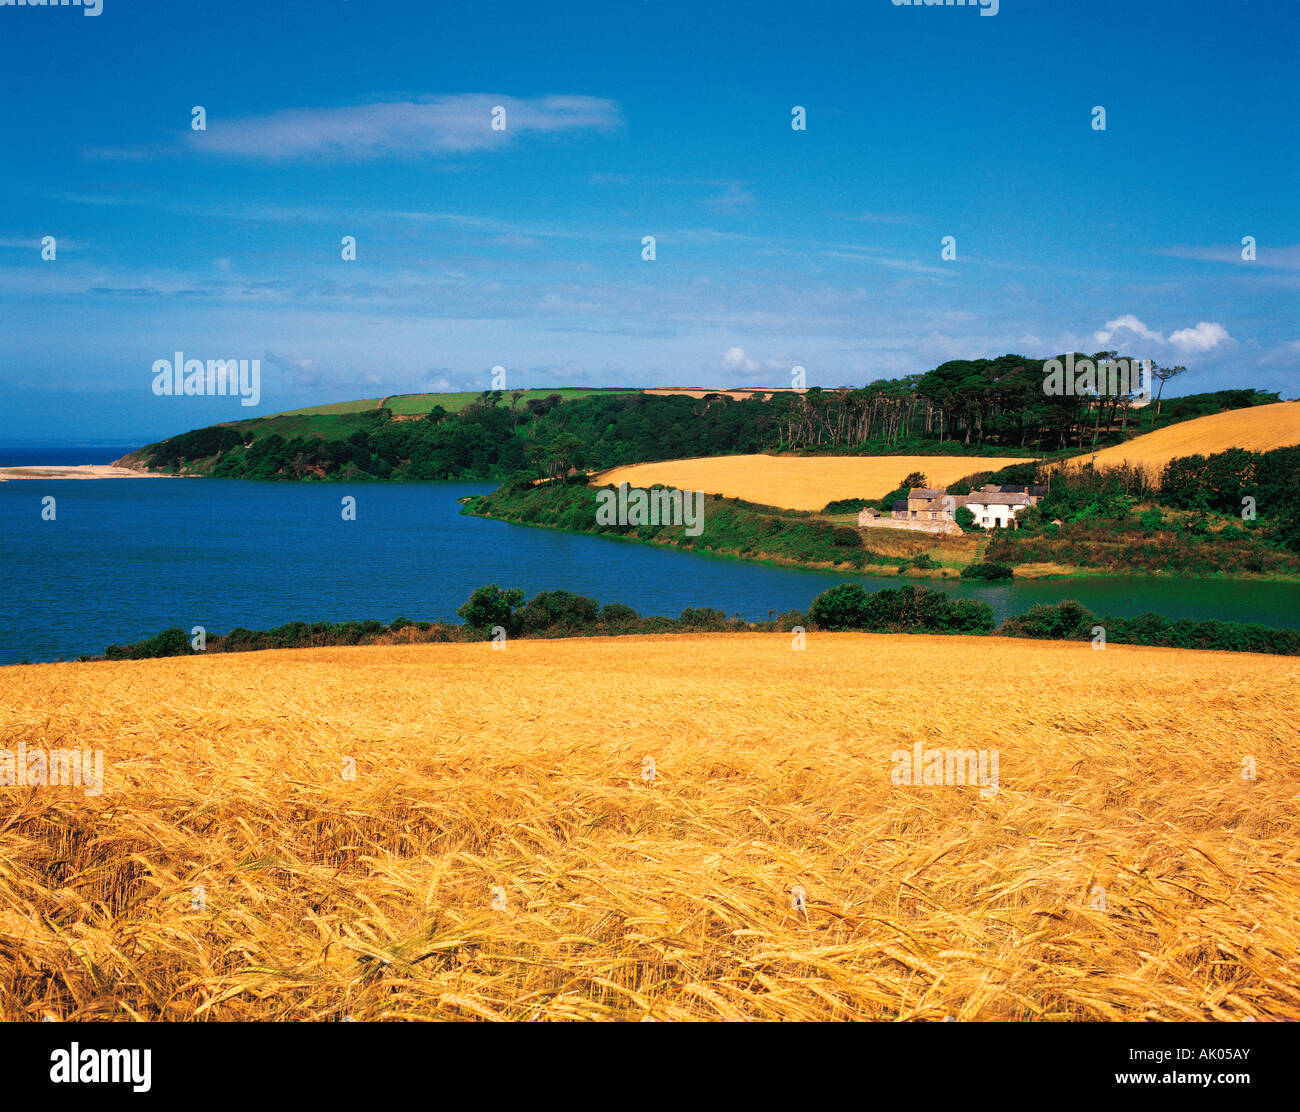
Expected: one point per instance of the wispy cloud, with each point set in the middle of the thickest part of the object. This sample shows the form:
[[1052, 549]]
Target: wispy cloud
[[733, 199], [425, 127], [1281, 257]]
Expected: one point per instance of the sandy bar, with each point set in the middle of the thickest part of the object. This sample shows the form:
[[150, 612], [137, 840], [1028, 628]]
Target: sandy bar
[[78, 471]]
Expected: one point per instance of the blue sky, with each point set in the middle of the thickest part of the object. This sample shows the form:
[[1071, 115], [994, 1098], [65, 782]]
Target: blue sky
[[522, 248]]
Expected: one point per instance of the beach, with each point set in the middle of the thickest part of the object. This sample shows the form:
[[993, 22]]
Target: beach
[[76, 471]]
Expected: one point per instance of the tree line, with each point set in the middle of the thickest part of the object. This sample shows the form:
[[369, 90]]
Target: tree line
[[493, 613], [979, 406]]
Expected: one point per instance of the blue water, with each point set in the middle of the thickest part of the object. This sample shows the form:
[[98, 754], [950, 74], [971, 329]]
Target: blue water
[[18, 453], [126, 558]]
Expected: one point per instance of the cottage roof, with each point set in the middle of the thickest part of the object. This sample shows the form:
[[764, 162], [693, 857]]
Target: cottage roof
[[923, 492], [1036, 490], [901, 504], [999, 499]]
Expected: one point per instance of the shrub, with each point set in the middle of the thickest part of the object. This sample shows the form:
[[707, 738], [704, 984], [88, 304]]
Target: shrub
[[1063, 621], [617, 614], [704, 617], [842, 607], [886, 504], [971, 616], [170, 642], [491, 606], [965, 519], [911, 609], [557, 610], [846, 505], [846, 537], [986, 570]]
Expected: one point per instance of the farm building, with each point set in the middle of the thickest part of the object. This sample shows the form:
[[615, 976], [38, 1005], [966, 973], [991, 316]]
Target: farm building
[[933, 511]]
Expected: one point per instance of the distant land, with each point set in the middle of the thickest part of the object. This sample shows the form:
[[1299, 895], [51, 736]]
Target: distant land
[[978, 407]]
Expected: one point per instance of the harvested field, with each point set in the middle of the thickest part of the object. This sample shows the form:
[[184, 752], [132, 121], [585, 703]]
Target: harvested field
[[1259, 428], [800, 482], [735, 395], [232, 870]]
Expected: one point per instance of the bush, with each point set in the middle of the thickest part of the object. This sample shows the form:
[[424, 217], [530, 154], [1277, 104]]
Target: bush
[[968, 615], [557, 610], [846, 505], [170, 642], [986, 570], [704, 617], [616, 614], [965, 519], [886, 504], [1016, 474], [1068, 621], [843, 607], [490, 606], [909, 609], [1063, 621], [846, 537]]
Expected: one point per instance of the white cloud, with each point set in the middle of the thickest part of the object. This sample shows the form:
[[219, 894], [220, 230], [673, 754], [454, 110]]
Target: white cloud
[[1127, 323], [1206, 336], [426, 126], [734, 359]]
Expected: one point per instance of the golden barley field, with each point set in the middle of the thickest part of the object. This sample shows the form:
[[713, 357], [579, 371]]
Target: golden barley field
[[501, 855], [1259, 429], [735, 395], [800, 482]]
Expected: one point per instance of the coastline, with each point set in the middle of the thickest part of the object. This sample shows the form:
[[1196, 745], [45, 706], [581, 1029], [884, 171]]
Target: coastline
[[1029, 572], [78, 471]]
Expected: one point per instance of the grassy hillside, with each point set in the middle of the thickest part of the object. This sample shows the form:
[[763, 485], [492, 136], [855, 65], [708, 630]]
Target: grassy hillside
[[450, 832], [495, 435], [359, 406], [730, 527], [407, 405]]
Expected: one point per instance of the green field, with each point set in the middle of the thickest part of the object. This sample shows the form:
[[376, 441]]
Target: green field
[[410, 405], [336, 407]]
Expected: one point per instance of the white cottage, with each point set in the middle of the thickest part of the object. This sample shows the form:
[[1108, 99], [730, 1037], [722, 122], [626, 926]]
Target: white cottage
[[996, 510]]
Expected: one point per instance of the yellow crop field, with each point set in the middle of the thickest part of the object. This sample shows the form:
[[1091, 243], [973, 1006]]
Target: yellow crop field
[[679, 827], [1259, 429], [800, 482]]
